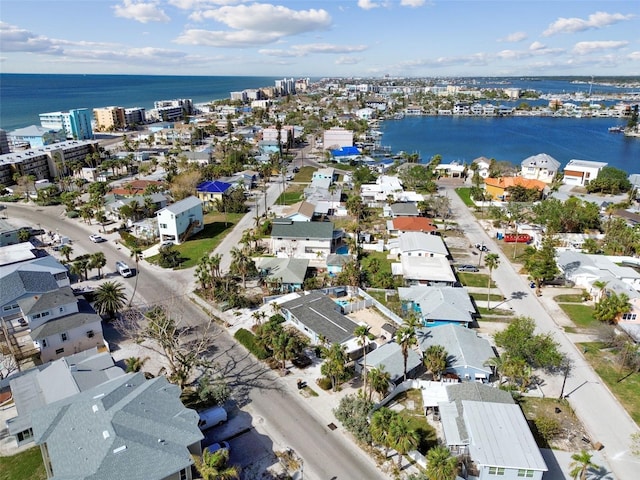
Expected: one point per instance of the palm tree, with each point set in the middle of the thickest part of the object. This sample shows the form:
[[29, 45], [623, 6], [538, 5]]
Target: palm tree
[[288, 344], [381, 422], [379, 380], [498, 364], [97, 260], [66, 250], [134, 364], [406, 338], [404, 437], [241, 265], [600, 285], [361, 333], [440, 464], [580, 465], [435, 360], [215, 466], [110, 298], [136, 253], [491, 261], [335, 363], [77, 269]]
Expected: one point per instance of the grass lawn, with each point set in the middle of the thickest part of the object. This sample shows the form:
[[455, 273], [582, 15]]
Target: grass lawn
[[465, 194], [475, 279], [483, 297], [494, 312], [413, 411], [507, 249], [581, 315], [216, 227], [392, 302], [625, 387], [305, 174], [570, 298], [23, 466], [291, 195]]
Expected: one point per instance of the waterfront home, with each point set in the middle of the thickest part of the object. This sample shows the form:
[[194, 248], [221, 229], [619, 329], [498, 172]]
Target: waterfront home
[[482, 165], [127, 427], [438, 305], [498, 188], [540, 167], [179, 221], [310, 240], [467, 352], [453, 169], [581, 172]]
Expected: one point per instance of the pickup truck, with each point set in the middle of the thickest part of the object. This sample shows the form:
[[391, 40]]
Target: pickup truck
[[123, 269]]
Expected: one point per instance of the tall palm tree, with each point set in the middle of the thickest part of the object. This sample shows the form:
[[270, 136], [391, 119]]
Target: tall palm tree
[[335, 363], [406, 338], [380, 381], [580, 465], [136, 253], [435, 360], [241, 264], [404, 437], [600, 285], [66, 250], [97, 260], [381, 422], [491, 261], [498, 364], [110, 298], [440, 464], [361, 333]]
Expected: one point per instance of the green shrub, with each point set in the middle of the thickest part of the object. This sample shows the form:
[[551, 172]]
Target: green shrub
[[73, 214], [324, 383], [547, 427], [248, 339]]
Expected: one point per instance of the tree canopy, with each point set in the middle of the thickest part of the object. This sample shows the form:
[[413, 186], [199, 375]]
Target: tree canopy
[[610, 180], [520, 341]]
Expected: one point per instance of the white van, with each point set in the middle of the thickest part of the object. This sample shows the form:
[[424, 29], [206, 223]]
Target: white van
[[211, 417], [123, 269]]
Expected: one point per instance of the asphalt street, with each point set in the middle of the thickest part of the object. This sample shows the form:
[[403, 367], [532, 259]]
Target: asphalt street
[[603, 416]]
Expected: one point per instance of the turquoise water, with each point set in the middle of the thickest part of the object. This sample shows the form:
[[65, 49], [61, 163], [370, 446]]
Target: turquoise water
[[343, 250]]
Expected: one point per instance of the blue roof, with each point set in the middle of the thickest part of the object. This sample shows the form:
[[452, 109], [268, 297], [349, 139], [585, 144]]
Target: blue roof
[[345, 152], [213, 187]]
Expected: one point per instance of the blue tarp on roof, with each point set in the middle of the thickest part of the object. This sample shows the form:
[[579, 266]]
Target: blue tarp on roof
[[213, 187], [345, 152]]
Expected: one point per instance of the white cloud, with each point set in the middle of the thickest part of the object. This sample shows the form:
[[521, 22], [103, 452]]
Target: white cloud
[[15, 39], [511, 54], [368, 4], [304, 50], [412, 3], [634, 56], [141, 12], [514, 37], [345, 60], [584, 48], [239, 39], [594, 21], [201, 4]]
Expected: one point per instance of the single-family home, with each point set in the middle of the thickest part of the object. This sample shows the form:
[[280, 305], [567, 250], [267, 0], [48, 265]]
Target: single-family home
[[482, 165], [282, 274], [138, 187], [18, 285], [25, 257], [385, 186], [400, 225], [438, 305], [418, 244], [300, 212], [326, 173], [584, 269], [390, 358], [211, 191], [127, 427], [61, 323], [311, 240], [43, 384], [424, 271], [581, 172], [345, 154], [453, 169], [320, 318], [498, 188], [467, 352], [403, 209], [335, 262], [179, 221], [541, 167], [141, 206]]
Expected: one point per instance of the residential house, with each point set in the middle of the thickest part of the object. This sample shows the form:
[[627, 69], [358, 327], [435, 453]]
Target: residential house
[[581, 172], [311, 240], [127, 427], [18, 285], [335, 262], [541, 167], [326, 173], [424, 271], [386, 186], [390, 358], [211, 191], [482, 167], [453, 169], [467, 352], [345, 154], [282, 274], [300, 212], [61, 323], [400, 225], [138, 187], [337, 137], [25, 257], [8, 234], [584, 269], [404, 209], [142, 205], [418, 244], [179, 221], [498, 188], [320, 318], [44, 384], [438, 305]]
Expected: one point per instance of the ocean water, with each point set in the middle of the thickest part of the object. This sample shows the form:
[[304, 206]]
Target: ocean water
[[513, 139], [24, 96]]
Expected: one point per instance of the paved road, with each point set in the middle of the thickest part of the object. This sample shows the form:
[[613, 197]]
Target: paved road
[[603, 416], [284, 417]]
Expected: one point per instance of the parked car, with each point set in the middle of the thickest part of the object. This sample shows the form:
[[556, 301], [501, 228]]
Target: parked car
[[212, 417], [214, 447], [482, 247], [97, 238], [467, 268]]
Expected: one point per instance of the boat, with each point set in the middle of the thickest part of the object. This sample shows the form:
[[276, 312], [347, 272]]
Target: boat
[[616, 129]]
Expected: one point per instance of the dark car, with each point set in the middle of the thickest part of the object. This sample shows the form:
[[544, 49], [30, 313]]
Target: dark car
[[301, 361], [467, 268]]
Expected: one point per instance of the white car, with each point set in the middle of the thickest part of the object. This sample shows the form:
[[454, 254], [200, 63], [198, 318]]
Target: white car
[[97, 238]]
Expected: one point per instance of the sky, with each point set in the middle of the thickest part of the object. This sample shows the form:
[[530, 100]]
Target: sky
[[328, 38]]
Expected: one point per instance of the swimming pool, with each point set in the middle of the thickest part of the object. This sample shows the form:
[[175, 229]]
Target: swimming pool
[[342, 250]]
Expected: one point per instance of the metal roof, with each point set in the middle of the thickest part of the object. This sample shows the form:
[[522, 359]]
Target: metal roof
[[183, 205], [420, 241]]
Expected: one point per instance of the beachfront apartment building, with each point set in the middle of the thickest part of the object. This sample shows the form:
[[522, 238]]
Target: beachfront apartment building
[[76, 123], [34, 136], [109, 118], [581, 172], [541, 167]]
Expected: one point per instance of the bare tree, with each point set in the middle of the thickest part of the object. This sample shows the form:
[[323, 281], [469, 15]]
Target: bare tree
[[8, 363]]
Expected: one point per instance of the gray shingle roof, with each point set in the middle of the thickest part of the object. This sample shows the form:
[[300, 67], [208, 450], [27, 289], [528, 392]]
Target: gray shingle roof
[[183, 205], [287, 270], [440, 303], [400, 209], [321, 315], [20, 283], [313, 230], [47, 301], [84, 316], [128, 427], [390, 356]]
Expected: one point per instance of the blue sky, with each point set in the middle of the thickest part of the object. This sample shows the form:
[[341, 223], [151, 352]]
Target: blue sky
[[362, 38]]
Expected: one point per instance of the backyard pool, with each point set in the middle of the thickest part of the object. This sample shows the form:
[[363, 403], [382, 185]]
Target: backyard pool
[[342, 250]]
